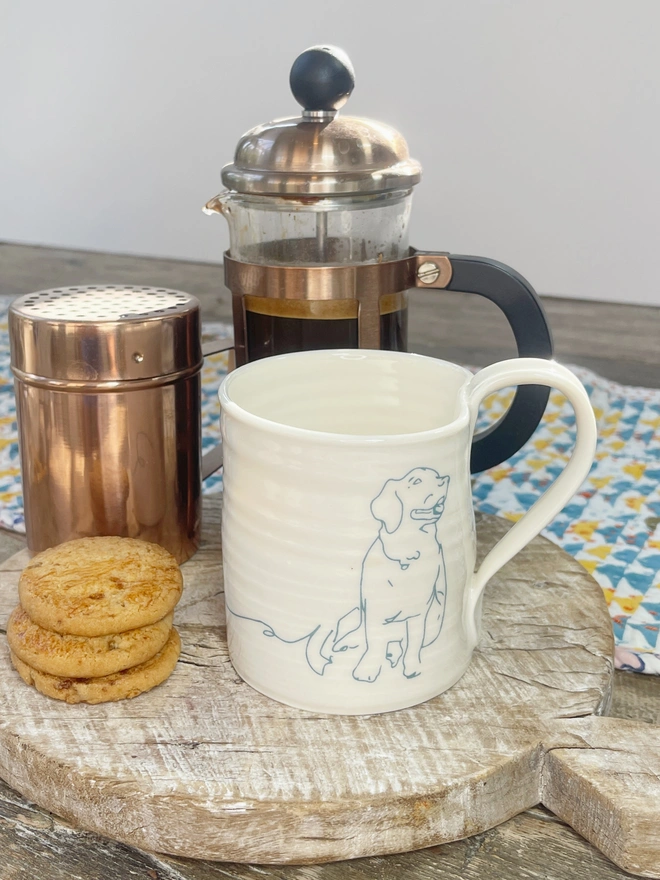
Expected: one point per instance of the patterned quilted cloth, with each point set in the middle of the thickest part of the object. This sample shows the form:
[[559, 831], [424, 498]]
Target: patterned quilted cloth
[[612, 526]]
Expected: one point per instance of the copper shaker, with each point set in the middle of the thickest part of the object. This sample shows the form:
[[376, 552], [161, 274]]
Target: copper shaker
[[107, 382]]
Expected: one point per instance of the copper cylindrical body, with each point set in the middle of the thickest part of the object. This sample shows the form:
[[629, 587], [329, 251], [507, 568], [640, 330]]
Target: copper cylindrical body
[[109, 415]]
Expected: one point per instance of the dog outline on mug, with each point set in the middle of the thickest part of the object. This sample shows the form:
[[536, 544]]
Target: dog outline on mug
[[403, 581], [393, 595]]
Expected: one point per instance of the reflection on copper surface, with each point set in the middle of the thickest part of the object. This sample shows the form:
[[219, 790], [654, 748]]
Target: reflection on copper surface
[[112, 464]]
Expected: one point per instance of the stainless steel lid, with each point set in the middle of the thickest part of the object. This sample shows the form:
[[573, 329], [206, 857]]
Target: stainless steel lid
[[320, 153], [108, 333]]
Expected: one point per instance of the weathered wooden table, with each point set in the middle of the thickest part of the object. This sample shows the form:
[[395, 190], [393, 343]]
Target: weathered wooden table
[[618, 341]]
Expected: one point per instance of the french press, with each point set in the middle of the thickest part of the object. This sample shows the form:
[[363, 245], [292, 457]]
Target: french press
[[318, 208]]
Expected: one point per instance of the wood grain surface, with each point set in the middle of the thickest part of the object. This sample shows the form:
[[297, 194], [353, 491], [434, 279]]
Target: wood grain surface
[[608, 789], [205, 766]]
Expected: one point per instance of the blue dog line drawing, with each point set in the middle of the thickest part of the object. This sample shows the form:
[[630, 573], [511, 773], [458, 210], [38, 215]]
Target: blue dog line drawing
[[403, 585]]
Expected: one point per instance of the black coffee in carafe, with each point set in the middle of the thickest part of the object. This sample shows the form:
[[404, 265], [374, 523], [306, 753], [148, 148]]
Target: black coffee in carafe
[[272, 330]]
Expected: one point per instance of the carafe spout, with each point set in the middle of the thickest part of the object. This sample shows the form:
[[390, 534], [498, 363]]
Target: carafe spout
[[216, 205]]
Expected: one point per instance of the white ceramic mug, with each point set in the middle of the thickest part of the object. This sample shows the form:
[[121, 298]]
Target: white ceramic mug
[[348, 531]]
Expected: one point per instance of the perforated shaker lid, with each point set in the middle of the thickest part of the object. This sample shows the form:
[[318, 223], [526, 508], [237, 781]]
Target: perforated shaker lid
[[104, 333]]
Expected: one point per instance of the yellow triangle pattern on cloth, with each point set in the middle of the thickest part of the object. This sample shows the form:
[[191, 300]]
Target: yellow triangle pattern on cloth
[[514, 517], [616, 445], [537, 463], [584, 529], [590, 564], [608, 592], [628, 603], [600, 482], [500, 473], [635, 470]]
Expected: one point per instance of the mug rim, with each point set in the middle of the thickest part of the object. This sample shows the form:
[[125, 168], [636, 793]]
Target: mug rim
[[235, 410]]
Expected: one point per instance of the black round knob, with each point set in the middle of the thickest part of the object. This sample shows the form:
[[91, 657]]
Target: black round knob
[[322, 78]]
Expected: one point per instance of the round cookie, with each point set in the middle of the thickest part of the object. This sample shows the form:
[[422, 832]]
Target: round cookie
[[99, 586], [119, 686], [81, 656]]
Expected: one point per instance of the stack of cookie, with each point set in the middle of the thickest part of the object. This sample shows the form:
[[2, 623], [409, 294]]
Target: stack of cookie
[[95, 619]]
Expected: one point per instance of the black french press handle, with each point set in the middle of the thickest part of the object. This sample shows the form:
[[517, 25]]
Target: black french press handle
[[524, 312]]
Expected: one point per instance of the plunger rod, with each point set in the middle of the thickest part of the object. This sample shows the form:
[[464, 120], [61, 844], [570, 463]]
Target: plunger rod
[[321, 235]]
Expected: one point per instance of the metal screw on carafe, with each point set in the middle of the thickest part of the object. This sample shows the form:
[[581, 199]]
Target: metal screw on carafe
[[428, 273]]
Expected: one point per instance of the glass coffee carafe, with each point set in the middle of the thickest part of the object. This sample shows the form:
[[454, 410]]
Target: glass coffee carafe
[[318, 208], [275, 231]]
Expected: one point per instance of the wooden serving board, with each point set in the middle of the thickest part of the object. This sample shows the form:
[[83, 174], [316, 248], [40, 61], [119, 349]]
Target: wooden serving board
[[203, 766]]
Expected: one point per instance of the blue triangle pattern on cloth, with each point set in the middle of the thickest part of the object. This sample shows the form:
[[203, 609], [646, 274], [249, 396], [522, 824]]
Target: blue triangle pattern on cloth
[[647, 630], [557, 527], [640, 581], [649, 561], [653, 608], [481, 491], [613, 573], [625, 554], [518, 478], [525, 499], [609, 533], [573, 511], [619, 626], [489, 508]]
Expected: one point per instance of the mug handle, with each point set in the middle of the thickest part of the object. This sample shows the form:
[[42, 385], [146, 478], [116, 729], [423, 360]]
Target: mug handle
[[514, 296], [212, 460], [530, 371]]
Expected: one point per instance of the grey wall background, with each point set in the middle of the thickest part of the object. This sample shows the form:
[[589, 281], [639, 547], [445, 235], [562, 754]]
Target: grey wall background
[[537, 122]]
